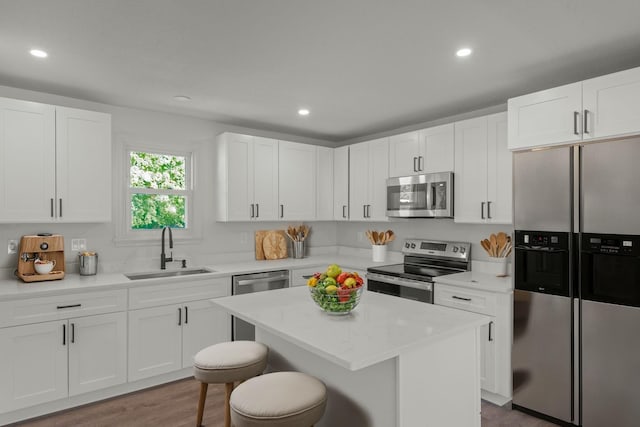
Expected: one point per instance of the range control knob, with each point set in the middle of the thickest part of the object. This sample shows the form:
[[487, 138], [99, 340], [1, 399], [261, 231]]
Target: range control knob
[[413, 246], [461, 250], [44, 246], [406, 245], [455, 249]]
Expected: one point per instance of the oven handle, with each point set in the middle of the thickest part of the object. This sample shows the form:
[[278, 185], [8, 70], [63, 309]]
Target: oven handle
[[416, 284]]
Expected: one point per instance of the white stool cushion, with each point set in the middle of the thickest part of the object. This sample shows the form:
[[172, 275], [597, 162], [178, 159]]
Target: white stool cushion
[[230, 361], [280, 399]]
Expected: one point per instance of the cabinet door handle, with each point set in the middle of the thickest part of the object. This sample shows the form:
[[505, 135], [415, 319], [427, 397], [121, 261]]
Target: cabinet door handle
[[60, 212], [186, 314], [344, 211], [461, 298], [491, 331], [364, 211], [482, 210], [179, 316], [64, 334], [60, 307], [489, 210], [73, 333], [252, 211], [51, 207], [257, 210], [281, 211], [368, 211], [420, 167], [586, 124], [415, 168], [576, 115]]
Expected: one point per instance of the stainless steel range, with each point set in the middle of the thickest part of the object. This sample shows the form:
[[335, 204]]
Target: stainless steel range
[[423, 260]]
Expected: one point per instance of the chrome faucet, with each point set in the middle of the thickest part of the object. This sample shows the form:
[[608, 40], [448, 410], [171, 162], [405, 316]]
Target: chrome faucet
[[163, 257]]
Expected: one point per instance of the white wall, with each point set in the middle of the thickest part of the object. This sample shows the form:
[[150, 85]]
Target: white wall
[[219, 240]]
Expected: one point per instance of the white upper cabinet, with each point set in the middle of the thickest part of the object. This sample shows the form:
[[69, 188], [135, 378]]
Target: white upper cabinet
[[341, 183], [368, 174], [27, 161], [404, 154], [548, 117], [437, 144], [483, 165], [67, 153], [325, 175], [425, 151], [601, 107], [247, 178], [611, 104], [297, 181], [83, 165]]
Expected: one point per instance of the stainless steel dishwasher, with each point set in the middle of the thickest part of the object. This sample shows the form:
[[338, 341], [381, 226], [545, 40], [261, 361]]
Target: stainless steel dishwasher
[[255, 282]]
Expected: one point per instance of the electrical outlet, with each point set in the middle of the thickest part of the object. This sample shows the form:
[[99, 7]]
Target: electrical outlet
[[78, 244], [12, 246]]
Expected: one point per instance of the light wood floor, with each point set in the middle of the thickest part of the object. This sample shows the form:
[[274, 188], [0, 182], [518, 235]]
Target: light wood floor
[[175, 405]]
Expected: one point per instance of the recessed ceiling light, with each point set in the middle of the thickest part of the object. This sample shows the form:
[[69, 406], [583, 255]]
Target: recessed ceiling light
[[182, 98], [303, 112], [38, 53], [465, 51]]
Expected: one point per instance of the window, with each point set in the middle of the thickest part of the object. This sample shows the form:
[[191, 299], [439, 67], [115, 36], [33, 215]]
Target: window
[[158, 190]]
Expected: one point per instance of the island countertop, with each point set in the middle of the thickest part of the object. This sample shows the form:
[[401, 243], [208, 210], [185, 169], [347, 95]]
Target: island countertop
[[381, 326]]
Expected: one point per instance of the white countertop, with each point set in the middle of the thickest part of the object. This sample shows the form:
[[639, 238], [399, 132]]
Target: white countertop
[[15, 288], [381, 326], [477, 280]]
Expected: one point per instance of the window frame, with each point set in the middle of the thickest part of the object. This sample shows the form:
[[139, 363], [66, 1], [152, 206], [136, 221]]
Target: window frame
[[125, 235]]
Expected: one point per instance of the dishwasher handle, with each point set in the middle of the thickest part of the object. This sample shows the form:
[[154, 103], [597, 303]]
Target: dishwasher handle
[[261, 278]]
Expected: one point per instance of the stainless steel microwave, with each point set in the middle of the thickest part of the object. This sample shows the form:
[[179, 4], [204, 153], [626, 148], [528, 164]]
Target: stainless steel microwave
[[421, 196]]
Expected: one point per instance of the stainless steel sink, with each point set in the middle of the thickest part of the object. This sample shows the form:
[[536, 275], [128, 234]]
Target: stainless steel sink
[[172, 273]]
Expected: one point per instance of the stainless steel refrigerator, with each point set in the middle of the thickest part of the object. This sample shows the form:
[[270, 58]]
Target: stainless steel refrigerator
[[575, 354]]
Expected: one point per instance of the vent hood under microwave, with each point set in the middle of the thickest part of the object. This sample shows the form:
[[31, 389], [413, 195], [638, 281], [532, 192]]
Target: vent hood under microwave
[[421, 196]]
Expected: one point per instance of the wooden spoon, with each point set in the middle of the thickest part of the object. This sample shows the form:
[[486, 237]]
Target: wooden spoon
[[494, 245], [375, 237], [486, 245], [502, 241]]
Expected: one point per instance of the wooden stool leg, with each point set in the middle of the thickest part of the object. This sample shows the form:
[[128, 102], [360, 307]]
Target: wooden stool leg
[[203, 397], [227, 408]]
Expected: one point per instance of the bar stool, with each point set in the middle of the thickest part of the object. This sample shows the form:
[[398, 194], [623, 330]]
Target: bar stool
[[226, 363], [282, 399]]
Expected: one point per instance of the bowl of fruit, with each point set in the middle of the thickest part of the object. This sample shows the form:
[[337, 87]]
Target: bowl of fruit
[[336, 291]]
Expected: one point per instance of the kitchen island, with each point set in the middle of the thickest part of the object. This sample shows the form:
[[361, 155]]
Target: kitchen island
[[391, 362]]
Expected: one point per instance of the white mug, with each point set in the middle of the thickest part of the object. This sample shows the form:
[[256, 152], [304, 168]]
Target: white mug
[[43, 266]]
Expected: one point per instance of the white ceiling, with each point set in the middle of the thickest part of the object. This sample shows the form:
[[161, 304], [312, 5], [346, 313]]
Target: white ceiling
[[360, 66]]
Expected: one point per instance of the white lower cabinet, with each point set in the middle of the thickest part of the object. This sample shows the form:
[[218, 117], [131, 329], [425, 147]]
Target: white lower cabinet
[[166, 329], [495, 363], [33, 365], [165, 339], [46, 361]]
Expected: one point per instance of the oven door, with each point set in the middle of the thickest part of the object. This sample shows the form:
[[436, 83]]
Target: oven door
[[429, 195], [404, 288]]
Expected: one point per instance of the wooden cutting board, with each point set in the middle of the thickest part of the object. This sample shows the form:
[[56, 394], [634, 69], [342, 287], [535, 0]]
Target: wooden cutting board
[[271, 244], [274, 245]]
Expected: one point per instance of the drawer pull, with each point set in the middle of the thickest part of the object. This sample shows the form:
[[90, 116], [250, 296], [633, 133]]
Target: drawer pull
[[60, 307], [461, 298], [309, 276]]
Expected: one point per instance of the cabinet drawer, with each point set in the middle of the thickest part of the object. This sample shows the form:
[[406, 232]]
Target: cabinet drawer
[[43, 309], [465, 299], [178, 292], [299, 277]]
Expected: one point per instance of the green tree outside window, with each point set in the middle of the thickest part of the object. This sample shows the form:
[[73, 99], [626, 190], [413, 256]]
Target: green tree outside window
[[156, 181]]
